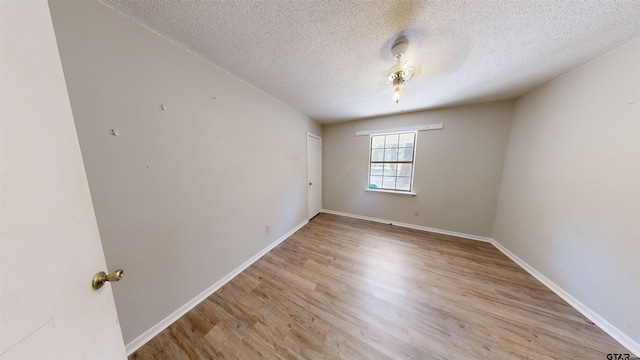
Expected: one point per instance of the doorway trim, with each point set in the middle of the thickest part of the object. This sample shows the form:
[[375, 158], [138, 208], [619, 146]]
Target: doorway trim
[[313, 211]]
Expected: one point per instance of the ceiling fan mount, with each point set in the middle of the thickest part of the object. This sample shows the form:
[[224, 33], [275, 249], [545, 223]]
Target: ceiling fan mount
[[399, 48]]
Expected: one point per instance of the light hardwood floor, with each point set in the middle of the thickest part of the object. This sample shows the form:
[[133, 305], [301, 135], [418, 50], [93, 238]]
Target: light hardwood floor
[[343, 288]]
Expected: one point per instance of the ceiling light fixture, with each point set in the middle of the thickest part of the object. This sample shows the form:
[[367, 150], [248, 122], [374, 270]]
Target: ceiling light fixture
[[401, 71]]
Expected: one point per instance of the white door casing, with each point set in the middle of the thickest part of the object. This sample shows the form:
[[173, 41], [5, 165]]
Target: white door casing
[[314, 174], [50, 245]]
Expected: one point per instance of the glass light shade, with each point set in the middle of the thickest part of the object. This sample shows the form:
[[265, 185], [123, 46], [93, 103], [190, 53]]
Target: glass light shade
[[397, 85]]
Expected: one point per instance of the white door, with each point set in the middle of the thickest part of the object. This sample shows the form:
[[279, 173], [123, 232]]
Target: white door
[[314, 174], [50, 246]]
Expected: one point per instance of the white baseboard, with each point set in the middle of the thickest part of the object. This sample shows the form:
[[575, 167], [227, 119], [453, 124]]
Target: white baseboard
[[136, 343], [411, 226], [603, 324]]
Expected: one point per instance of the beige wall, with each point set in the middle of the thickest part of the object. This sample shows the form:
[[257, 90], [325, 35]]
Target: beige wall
[[457, 175], [569, 201], [182, 196]]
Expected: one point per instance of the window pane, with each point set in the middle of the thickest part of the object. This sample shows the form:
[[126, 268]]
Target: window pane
[[390, 169], [405, 154], [403, 183], [375, 182], [406, 140], [392, 141], [376, 169], [391, 166], [377, 142], [377, 154], [404, 170], [390, 154], [389, 183]]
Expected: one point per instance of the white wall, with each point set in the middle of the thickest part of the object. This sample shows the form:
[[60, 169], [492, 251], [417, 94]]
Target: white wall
[[182, 196], [570, 195], [457, 176]]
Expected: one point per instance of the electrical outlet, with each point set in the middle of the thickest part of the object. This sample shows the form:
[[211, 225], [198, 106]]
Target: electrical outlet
[[416, 212], [268, 229]]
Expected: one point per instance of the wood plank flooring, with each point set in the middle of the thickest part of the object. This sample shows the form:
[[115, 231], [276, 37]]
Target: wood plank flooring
[[343, 288]]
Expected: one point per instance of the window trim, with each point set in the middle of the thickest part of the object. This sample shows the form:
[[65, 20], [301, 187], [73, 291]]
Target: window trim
[[400, 192], [411, 190]]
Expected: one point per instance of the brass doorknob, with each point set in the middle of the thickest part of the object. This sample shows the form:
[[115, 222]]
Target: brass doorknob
[[103, 277]]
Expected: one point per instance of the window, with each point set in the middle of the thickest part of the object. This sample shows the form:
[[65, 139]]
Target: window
[[391, 161]]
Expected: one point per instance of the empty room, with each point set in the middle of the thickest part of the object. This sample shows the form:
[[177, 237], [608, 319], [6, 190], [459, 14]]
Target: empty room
[[320, 179]]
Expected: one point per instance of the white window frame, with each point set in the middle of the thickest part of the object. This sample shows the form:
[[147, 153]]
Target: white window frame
[[413, 163]]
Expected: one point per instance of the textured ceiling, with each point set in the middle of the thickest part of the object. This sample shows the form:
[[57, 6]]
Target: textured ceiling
[[329, 59]]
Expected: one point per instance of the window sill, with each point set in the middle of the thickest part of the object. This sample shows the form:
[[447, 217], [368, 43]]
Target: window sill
[[391, 191]]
